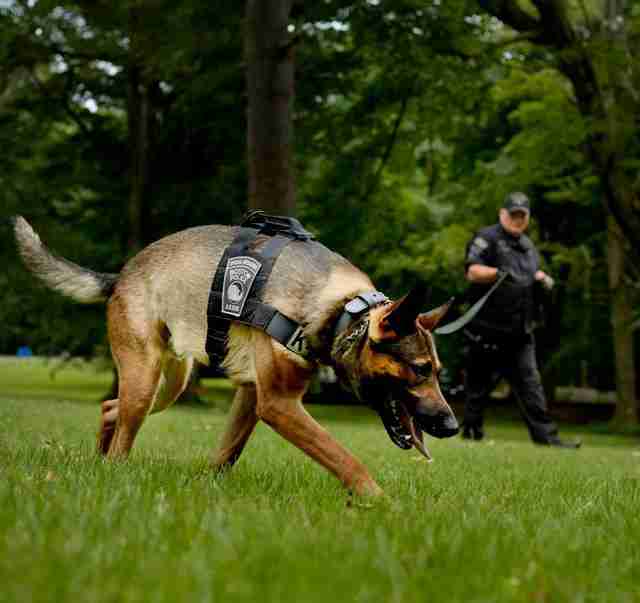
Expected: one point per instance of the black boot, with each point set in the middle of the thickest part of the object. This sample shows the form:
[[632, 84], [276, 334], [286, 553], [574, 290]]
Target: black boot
[[557, 442], [474, 432]]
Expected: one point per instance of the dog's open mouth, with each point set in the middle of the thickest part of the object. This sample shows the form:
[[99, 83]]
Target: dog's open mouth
[[401, 427]]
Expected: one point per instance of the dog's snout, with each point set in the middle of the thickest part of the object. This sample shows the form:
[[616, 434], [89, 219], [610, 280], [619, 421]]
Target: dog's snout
[[450, 425], [443, 424]]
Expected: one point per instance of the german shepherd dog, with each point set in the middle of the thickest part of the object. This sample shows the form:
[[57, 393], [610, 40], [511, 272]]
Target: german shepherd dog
[[157, 327]]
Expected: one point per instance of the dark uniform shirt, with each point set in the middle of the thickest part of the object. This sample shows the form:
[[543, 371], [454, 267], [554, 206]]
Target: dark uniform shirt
[[510, 309]]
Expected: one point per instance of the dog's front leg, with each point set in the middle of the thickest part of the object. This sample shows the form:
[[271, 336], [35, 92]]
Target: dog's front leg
[[291, 420], [281, 384], [107, 425], [241, 422]]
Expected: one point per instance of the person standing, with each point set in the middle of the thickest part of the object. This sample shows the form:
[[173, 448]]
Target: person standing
[[500, 338]]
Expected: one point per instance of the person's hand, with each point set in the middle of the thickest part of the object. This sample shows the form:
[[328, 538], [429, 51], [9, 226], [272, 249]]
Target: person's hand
[[509, 277], [545, 280]]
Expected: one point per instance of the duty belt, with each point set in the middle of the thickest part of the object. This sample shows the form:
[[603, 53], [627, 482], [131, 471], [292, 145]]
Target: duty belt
[[238, 285]]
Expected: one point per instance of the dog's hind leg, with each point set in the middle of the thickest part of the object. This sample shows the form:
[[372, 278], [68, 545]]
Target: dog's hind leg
[[138, 346], [173, 380], [139, 380], [281, 383], [241, 422]]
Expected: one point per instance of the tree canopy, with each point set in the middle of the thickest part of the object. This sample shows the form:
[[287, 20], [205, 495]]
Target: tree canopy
[[127, 120]]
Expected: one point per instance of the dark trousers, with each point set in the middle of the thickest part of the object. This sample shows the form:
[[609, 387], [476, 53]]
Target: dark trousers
[[514, 359]]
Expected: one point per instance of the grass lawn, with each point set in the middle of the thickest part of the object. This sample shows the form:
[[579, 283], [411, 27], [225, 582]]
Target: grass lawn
[[501, 520]]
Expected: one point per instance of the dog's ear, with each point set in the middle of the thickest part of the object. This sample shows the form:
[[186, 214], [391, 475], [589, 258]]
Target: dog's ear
[[429, 320], [398, 319]]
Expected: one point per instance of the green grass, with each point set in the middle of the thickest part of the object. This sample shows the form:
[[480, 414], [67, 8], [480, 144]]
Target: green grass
[[497, 521]]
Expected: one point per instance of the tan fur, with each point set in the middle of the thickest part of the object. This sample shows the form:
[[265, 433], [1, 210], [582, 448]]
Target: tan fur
[[383, 365], [379, 328], [59, 274], [239, 363]]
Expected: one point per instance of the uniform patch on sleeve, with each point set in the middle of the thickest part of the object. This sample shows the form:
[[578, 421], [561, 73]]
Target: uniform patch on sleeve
[[477, 250], [481, 243]]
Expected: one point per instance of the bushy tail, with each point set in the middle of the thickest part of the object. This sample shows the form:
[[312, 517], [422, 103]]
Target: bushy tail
[[81, 284]]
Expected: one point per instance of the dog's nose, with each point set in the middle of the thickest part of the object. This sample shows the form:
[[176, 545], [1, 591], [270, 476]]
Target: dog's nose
[[441, 425], [450, 426]]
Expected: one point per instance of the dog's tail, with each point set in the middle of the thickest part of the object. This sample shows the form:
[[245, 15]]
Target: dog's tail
[[81, 284]]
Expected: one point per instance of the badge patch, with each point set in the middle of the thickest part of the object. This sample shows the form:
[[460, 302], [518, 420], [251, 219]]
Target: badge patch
[[239, 275], [480, 242]]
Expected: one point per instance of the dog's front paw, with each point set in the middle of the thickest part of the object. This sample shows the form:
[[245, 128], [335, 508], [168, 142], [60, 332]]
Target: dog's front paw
[[365, 494]]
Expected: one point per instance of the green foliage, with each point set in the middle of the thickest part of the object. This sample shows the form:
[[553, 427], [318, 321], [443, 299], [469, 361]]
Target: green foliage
[[63, 113], [545, 150]]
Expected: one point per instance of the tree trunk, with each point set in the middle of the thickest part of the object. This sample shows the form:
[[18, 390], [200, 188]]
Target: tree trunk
[[139, 125], [270, 86], [621, 319], [139, 117]]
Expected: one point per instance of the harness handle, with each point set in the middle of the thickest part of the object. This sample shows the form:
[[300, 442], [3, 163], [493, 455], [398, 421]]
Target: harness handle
[[276, 225]]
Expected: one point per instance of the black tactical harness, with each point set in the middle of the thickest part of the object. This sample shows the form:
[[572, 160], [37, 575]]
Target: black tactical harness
[[238, 285], [242, 274]]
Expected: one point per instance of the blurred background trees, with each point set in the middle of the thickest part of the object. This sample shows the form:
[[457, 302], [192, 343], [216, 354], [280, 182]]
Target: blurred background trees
[[123, 121]]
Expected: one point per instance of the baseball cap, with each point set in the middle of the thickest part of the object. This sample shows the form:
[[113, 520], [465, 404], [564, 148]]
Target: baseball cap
[[516, 201]]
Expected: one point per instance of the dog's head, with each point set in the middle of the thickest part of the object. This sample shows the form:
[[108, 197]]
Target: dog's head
[[392, 364]]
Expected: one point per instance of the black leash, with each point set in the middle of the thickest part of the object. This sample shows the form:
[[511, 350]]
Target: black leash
[[470, 314]]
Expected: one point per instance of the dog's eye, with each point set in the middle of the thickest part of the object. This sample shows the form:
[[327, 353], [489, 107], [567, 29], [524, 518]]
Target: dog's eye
[[423, 370]]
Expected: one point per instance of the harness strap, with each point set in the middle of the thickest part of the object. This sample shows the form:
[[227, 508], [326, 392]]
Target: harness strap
[[239, 282], [289, 333], [263, 316], [218, 326]]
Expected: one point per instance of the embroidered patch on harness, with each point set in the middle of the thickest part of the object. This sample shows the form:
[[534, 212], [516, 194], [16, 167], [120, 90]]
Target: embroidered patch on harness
[[239, 275]]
